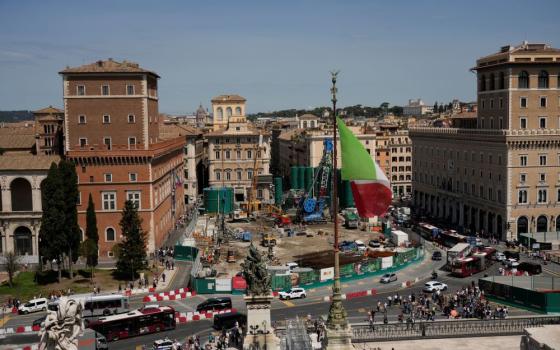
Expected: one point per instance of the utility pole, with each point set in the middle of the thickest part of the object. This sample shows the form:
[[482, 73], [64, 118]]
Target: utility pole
[[337, 320]]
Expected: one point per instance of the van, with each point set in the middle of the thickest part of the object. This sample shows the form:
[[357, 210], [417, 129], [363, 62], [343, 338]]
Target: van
[[361, 245], [500, 256], [529, 267], [33, 305], [214, 304], [292, 265], [228, 320], [510, 254]]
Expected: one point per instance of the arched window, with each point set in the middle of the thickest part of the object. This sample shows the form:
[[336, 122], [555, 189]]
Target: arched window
[[523, 80], [237, 110], [522, 225], [220, 113], [543, 79], [22, 198], [228, 112], [502, 81], [110, 234], [483, 83], [22, 241], [542, 224], [492, 82]]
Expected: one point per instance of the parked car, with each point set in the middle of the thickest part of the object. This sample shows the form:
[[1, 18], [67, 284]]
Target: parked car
[[374, 243], [214, 304], [434, 286], [361, 245], [530, 268], [33, 305], [500, 256], [294, 293], [436, 255], [346, 246], [388, 277], [292, 265]]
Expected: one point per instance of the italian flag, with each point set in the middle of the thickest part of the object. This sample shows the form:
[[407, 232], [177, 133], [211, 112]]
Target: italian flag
[[370, 186]]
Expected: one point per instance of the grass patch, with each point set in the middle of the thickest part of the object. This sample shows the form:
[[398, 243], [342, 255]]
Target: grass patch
[[24, 287]]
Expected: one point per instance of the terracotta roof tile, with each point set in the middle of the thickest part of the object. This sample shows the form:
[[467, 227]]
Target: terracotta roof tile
[[23, 141], [171, 131], [228, 98], [308, 116], [49, 110], [108, 66], [27, 162]]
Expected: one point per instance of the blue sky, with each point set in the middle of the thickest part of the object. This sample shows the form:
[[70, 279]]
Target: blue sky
[[277, 54]]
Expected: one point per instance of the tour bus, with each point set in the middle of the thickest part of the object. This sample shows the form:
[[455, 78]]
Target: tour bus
[[463, 267], [150, 319], [450, 238], [98, 305], [427, 231]]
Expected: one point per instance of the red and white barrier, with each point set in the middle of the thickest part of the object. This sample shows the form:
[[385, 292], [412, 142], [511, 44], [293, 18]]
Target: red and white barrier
[[353, 295], [178, 294], [19, 329], [185, 317], [27, 347]]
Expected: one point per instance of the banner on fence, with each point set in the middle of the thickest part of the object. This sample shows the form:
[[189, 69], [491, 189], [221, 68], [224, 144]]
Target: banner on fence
[[327, 274], [386, 262], [223, 284]]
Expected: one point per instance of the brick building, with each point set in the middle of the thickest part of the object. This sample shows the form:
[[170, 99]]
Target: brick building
[[111, 126], [48, 130]]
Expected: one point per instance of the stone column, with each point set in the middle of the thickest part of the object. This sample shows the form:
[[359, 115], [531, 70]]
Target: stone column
[[6, 199], [461, 214]]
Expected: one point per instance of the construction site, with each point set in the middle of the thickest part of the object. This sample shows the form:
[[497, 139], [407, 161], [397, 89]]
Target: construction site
[[295, 233]]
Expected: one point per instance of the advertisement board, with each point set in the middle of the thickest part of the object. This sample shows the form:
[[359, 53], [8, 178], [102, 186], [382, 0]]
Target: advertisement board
[[386, 262], [327, 274], [223, 285]]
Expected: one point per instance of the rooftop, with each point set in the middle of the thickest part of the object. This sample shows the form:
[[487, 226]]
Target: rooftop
[[27, 162], [108, 66], [228, 98], [49, 110], [523, 52], [308, 116], [171, 131]]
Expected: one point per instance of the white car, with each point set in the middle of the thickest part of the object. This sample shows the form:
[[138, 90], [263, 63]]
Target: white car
[[294, 293], [511, 263], [361, 245], [500, 256], [388, 277], [434, 286], [291, 266], [33, 305]]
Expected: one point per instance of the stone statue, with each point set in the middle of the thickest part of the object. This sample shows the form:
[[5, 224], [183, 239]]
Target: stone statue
[[255, 273], [62, 328]]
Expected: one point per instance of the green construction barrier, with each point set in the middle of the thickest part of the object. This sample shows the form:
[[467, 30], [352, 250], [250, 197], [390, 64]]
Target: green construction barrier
[[204, 285], [294, 178], [308, 277], [301, 177], [278, 191], [185, 253], [218, 200], [347, 270], [308, 180], [281, 282]]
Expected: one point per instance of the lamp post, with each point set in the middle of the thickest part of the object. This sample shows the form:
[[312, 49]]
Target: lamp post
[[337, 315]]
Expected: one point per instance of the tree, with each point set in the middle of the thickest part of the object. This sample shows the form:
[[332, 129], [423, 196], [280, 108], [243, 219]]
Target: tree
[[436, 107], [90, 246], [71, 232], [12, 265], [440, 108], [52, 243], [132, 250]]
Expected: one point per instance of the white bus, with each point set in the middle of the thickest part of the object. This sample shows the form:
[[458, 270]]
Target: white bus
[[98, 305]]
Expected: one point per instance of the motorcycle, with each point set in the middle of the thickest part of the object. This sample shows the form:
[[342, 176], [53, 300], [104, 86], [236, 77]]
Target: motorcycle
[[434, 275]]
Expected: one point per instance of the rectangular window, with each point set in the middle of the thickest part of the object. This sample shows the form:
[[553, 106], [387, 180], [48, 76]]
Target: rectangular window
[[238, 154], [217, 154], [109, 200], [249, 154], [249, 174], [132, 177], [501, 103], [542, 122], [91, 179], [218, 175], [79, 198], [542, 194], [522, 197], [543, 102], [132, 142], [491, 103], [522, 178], [523, 123], [542, 160], [83, 142], [542, 177], [108, 177], [239, 175], [106, 119], [134, 197], [130, 89], [131, 119], [81, 90], [523, 102], [558, 195], [228, 175], [82, 119], [260, 193], [107, 142], [523, 160], [105, 90]]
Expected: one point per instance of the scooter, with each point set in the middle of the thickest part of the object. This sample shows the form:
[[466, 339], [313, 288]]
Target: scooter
[[434, 275]]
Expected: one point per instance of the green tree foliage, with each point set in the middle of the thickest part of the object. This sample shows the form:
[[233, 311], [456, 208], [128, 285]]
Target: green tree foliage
[[69, 179], [132, 249], [52, 239], [92, 235], [436, 107]]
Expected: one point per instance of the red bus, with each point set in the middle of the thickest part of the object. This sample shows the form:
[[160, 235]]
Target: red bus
[[149, 319], [463, 267], [450, 238]]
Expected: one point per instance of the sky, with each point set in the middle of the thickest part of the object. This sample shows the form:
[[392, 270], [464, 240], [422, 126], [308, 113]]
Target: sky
[[277, 54]]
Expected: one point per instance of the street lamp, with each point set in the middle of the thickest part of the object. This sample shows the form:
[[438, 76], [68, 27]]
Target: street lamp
[[337, 314]]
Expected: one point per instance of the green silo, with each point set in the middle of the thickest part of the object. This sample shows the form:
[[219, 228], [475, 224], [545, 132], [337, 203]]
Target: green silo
[[308, 178], [294, 178], [218, 200], [278, 191], [301, 177]]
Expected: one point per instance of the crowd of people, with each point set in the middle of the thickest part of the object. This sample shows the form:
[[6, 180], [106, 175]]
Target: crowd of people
[[227, 338]]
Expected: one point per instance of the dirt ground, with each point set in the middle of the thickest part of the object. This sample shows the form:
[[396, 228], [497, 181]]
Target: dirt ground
[[287, 247]]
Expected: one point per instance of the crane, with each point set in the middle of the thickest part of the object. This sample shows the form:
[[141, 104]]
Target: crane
[[251, 203]]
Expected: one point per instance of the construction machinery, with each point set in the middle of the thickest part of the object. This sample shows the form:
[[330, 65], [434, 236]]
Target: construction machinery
[[313, 205], [351, 218], [268, 239]]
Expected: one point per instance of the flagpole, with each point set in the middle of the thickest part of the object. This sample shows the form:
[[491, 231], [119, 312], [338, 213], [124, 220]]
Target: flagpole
[[337, 315]]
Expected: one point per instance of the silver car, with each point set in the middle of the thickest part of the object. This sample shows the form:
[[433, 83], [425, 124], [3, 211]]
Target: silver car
[[388, 277]]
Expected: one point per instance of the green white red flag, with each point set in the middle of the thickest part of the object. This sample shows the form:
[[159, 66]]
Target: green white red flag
[[370, 187]]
